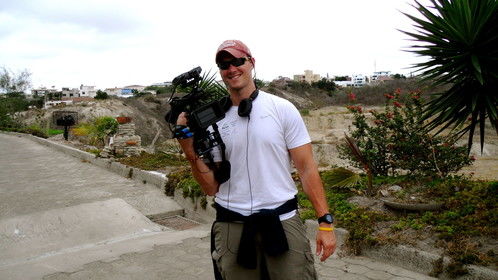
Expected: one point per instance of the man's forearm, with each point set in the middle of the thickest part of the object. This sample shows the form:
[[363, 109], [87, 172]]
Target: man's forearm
[[313, 188], [201, 172]]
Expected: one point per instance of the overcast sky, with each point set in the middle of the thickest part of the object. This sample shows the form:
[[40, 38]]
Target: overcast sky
[[111, 43]]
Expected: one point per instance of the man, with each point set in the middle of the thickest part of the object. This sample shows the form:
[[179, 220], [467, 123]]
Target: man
[[258, 233]]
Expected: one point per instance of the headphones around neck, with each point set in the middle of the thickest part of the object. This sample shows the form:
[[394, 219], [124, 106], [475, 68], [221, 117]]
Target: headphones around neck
[[245, 105]]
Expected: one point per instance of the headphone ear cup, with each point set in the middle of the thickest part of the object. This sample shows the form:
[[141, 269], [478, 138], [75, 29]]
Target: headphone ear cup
[[226, 103], [245, 107]]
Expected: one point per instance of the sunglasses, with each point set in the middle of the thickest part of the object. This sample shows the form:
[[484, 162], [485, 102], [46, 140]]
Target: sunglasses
[[237, 61]]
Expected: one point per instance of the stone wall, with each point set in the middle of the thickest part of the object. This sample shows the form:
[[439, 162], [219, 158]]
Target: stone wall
[[126, 142]]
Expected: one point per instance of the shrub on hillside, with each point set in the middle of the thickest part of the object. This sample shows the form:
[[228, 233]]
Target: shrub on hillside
[[96, 131], [395, 140], [101, 95]]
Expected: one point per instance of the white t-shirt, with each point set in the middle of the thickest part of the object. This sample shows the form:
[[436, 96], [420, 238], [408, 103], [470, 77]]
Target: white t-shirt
[[258, 151]]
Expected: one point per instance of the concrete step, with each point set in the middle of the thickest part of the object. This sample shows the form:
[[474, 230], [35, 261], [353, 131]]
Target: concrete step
[[69, 262], [64, 239]]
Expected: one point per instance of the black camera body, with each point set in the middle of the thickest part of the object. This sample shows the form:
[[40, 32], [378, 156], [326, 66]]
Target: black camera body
[[200, 115]]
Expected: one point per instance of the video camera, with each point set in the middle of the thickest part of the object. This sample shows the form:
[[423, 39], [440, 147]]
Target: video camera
[[202, 112]]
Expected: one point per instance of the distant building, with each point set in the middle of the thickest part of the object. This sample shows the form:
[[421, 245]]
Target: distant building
[[43, 91], [380, 76], [282, 78], [344, 83], [70, 92], [135, 87], [126, 92], [52, 103], [87, 91], [359, 80], [113, 91], [308, 77]]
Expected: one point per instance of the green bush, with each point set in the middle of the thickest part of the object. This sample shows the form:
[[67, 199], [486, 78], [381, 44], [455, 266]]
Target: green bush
[[10, 104], [52, 132], [35, 130], [395, 140], [304, 112], [95, 132], [104, 126], [101, 95]]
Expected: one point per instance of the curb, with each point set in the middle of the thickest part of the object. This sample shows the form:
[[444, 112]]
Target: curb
[[424, 262]]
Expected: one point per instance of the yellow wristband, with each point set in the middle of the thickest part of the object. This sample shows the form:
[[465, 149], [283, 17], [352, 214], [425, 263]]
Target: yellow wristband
[[326, 228]]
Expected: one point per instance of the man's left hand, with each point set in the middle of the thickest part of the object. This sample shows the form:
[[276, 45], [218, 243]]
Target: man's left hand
[[325, 244]]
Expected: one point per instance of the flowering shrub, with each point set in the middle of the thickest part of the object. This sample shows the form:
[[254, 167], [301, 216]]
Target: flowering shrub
[[395, 140]]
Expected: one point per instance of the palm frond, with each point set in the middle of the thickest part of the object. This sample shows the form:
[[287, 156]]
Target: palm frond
[[460, 38], [342, 178]]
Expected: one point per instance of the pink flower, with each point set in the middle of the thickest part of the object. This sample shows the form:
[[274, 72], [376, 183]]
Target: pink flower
[[388, 96], [397, 104], [355, 109], [352, 96], [377, 122], [472, 158], [397, 91], [389, 115]]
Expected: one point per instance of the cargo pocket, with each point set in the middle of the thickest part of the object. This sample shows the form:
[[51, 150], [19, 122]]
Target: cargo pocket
[[309, 270], [219, 244]]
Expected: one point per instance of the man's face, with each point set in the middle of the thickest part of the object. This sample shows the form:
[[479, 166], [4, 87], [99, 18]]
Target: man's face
[[236, 77]]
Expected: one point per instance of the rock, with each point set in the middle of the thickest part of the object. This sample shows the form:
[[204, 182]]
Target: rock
[[368, 203], [361, 201], [395, 188], [384, 192]]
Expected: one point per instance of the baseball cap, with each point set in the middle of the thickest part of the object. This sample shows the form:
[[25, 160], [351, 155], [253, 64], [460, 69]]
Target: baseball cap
[[233, 47]]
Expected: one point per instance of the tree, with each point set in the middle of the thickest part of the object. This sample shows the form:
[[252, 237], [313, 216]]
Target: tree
[[14, 82], [325, 85], [460, 39], [342, 78], [160, 89], [101, 95], [13, 85], [259, 83]]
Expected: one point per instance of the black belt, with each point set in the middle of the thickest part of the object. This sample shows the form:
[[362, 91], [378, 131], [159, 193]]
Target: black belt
[[266, 222]]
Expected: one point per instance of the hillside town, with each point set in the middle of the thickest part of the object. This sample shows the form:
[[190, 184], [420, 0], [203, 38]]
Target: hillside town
[[68, 95]]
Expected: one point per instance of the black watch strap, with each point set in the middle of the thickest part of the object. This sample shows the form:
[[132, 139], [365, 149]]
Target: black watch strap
[[327, 218]]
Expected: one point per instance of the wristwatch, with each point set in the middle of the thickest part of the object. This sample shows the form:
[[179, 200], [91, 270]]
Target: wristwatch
[[327, 218]]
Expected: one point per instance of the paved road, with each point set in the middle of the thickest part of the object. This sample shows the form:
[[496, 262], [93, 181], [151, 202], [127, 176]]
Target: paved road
[[34, 178]]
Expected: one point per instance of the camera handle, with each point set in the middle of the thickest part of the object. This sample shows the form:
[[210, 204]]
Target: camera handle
[[204, 144]]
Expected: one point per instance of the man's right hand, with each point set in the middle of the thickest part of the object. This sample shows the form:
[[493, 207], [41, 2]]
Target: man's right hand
[[182, 119]]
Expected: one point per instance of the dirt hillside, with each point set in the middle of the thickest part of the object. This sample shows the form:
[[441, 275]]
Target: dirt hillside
[[326, 125]]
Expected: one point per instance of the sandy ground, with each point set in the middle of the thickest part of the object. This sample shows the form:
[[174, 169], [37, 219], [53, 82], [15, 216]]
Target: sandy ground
[[328, 125]]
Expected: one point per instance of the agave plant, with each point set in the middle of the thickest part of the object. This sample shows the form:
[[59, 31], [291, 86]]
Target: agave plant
[[460, 39], [212, 90]]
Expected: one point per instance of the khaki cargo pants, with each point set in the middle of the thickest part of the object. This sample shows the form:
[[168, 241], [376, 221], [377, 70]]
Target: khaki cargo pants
[[297, 263]]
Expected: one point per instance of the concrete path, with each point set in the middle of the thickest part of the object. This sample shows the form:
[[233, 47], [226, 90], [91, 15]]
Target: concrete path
[[36, 178], [40, 186], [190, 260]]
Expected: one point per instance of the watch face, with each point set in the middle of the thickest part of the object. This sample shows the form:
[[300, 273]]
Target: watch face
[[327, 218]]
